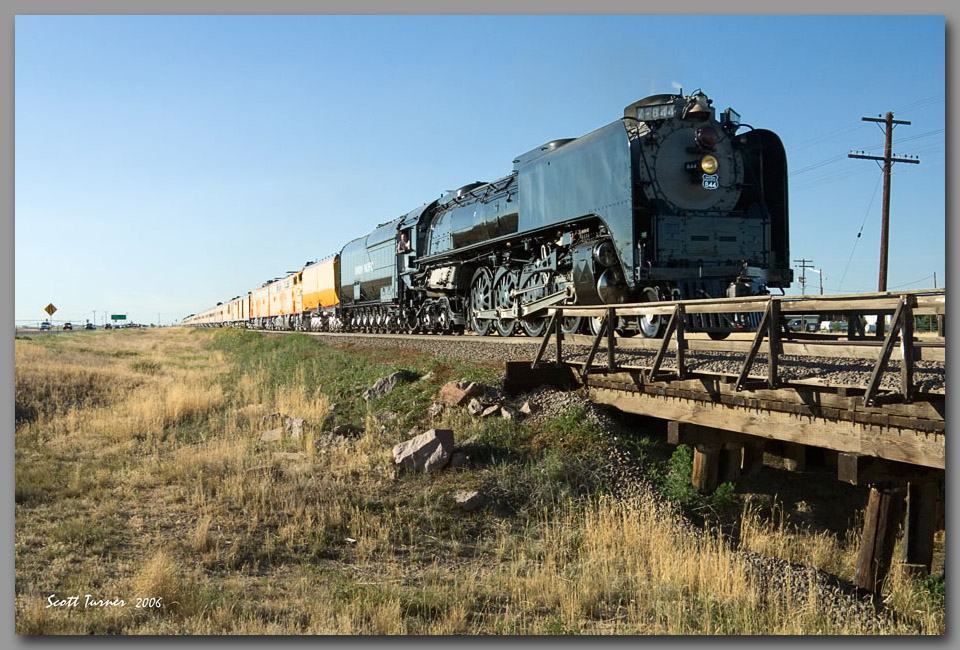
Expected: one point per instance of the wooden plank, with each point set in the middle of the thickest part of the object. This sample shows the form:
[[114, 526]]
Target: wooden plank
[[814, 305], [892, 444], [841, 349], [881, 521], [858, 469], [931, 408], [920, 524]]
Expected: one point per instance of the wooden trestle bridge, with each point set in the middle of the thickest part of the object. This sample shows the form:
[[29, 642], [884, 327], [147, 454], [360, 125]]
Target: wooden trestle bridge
[[891, 439]]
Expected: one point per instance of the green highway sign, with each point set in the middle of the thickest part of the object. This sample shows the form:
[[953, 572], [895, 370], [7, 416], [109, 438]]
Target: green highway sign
[[118, 317]]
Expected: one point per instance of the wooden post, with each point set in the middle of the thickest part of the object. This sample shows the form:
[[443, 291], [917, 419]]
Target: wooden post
[[731, 458], [906, 349], [611, 341], [706, 461], [794, 456], [752, 458], [559, 334], [773, 341], [880, 524], [918, 527]]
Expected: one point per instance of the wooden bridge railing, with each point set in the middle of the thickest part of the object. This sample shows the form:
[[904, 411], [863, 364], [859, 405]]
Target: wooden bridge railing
[[903, 305]]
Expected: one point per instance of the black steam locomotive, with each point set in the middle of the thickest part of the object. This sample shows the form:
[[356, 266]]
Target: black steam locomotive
[[669, 202]]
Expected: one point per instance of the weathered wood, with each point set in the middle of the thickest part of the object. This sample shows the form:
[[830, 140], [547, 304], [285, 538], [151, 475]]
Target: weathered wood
[[752, 458], [906, 349], [520, 377], [762, 330], [919, 524], [885, 351], [839, 349], [611, 321], [774, 346], [858, 469], [558, 335], [731, 462], [794, 457], [880, 525], [685, 433], [893, 444], [711, 387], [664, 344], [681, 343], [706, 460], [593, 349], [546, 339]]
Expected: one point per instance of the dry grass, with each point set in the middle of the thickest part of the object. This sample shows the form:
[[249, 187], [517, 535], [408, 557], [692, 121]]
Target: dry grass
[[142, 475]]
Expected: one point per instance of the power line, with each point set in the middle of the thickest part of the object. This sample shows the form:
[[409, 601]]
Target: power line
[[860, 232]]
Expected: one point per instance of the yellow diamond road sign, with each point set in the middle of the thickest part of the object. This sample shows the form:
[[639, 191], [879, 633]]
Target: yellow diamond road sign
[[50, 309]]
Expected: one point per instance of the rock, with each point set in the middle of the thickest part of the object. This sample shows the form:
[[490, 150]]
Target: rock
[[435, 410], [427, 452], [294, 427], [327, 441], [490, 410], [384, 385], [270, 416], [475, 408], [273, 435], [469, 500], [459, 459], [427, 377], [529, 408], [456, 393], [508, 412], [347, 430]]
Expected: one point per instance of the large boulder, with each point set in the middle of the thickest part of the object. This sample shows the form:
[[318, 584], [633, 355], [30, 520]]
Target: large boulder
[[384, 385], [427, 452], [458, 393]]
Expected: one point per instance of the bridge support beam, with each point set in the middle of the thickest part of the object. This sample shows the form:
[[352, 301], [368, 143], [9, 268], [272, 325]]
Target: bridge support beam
[[880, 525]]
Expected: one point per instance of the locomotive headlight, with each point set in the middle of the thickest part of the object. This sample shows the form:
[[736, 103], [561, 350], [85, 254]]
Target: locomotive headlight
[[709, 164]]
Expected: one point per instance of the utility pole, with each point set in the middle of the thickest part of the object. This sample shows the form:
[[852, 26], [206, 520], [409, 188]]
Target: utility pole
[[803, 265], [888, 160]]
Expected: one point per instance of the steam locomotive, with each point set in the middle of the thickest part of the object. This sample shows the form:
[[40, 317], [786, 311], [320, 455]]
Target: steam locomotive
[[672, 201]]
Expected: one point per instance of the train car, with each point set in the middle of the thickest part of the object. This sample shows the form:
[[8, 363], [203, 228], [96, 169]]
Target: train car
[[320, 294], [260, 306], [671, 201]]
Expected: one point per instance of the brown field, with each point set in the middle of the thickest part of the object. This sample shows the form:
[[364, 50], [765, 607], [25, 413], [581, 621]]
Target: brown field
[[140, 474]]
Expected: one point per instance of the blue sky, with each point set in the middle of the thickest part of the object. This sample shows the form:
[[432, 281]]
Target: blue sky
[[164, 163]]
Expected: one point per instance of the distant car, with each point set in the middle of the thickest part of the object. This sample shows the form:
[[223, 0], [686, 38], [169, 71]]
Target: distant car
[[44, 326], [108, 326], [89, 326], [67, 326]]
